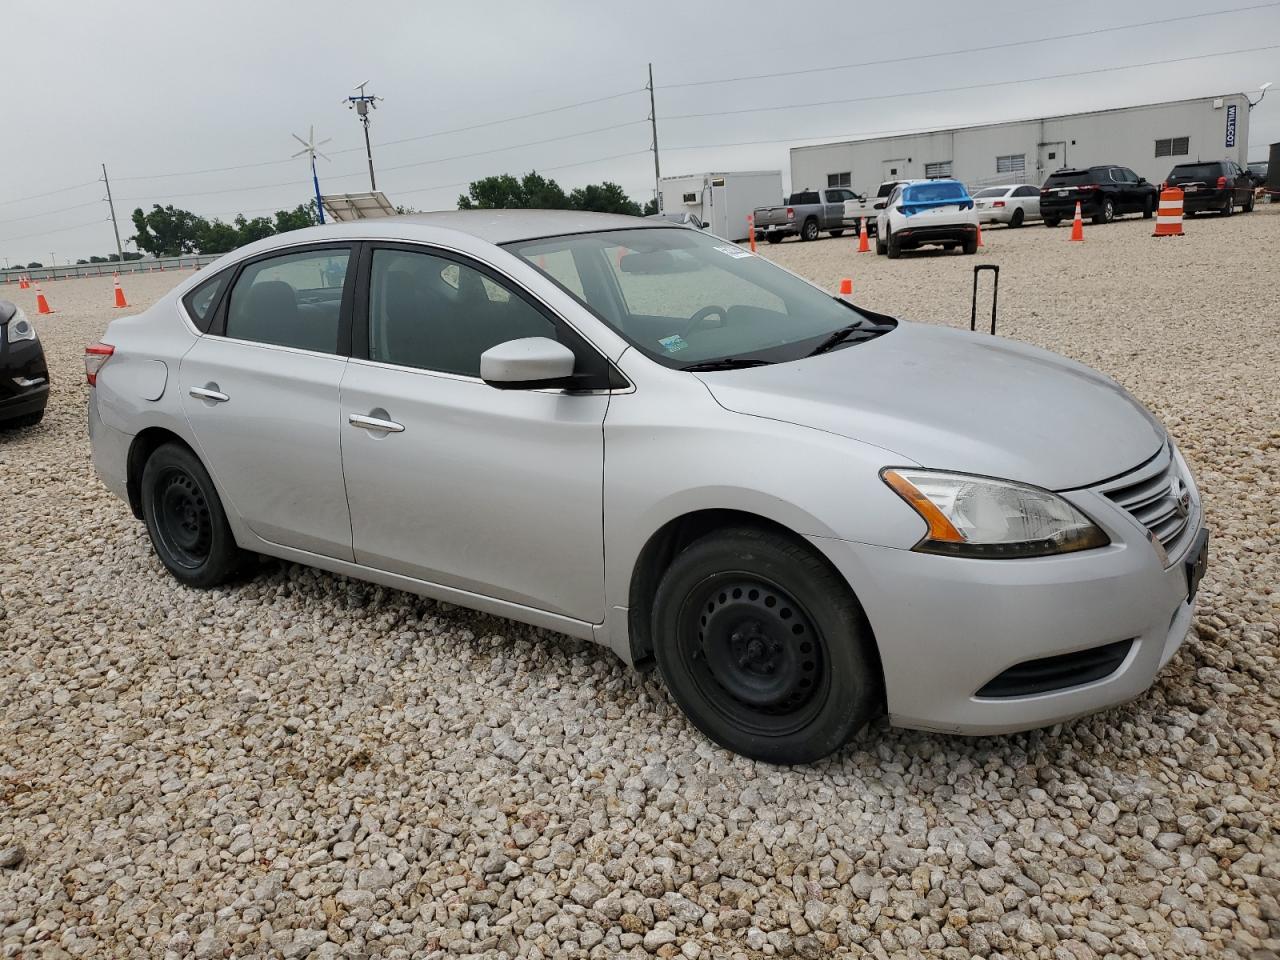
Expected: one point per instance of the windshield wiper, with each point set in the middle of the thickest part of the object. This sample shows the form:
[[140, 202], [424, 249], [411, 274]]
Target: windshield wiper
[[836, 338], [726, 363]]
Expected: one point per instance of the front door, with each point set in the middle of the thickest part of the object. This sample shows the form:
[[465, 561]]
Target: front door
[[1052, 156], [261, 394], [496, 492]]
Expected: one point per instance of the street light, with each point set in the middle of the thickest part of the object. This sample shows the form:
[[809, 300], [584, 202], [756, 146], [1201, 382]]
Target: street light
[[1263, 91]]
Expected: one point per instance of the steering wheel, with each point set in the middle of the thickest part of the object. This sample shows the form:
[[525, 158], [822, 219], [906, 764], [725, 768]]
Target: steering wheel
[[701, 315]]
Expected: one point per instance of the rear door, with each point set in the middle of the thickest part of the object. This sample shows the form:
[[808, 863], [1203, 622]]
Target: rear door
[[260, 391], [498, 492]]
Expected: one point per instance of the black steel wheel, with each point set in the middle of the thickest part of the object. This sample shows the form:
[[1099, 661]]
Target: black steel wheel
[[764, 647], [185, 519]]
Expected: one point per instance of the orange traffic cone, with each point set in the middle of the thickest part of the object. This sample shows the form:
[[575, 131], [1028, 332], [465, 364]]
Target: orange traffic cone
[[1077, 225], [751, 231], [980, 243], [23, 284], [846, 287], [120, 300], [1169, 215], [42, 304], [863, 246]]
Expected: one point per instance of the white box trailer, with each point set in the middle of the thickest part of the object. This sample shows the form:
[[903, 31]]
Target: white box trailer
[[722, 200]]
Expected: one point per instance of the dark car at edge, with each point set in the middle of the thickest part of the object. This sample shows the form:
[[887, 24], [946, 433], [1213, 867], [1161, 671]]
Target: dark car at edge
[[1104, 192], [1215, 185], [24, 377]]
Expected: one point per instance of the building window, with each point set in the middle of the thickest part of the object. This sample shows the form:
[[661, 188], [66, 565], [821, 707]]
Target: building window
[[1173, 147], [1012, 163], [839, 179], [940, 169]]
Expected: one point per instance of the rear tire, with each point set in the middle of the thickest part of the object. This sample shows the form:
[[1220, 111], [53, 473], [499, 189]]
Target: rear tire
[[773, 237], [1228, 207], [1051, 221], [764, 647], [185, 519], [810, 230], [1107, 212], [970, 245], [1017, 218], [837, 233], [893, 246]]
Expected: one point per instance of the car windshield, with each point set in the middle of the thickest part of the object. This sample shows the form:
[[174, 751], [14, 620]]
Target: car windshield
[[1069, 177], [684, 298], [1196, 171], [992, 192]]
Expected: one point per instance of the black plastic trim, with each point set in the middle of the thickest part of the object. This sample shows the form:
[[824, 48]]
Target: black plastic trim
[[1062, 672]]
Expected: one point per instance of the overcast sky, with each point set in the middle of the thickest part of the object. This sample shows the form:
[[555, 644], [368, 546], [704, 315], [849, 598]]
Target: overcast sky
[[158, 87]]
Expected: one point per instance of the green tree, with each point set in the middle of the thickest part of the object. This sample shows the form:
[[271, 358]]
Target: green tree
[[505, 192], [303, 215], [250, 230], [167, 231], [33, 265], [606, 197], [218, 237], [650, 207]]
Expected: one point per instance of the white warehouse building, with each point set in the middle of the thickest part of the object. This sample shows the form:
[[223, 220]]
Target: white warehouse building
[[1148, 139]]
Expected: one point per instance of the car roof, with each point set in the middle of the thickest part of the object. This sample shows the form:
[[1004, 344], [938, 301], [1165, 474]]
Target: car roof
[[494, 226]]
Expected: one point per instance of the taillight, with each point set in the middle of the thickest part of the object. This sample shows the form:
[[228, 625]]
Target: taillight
[[95, 355], [1087, 186], [791, 214], [998, 203], [1222, 182]]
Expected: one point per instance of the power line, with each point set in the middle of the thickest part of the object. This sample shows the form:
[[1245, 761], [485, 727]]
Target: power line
[[972, 86], [192, 173], [45, 233], [983, 49], [37, 196], [47, 213]]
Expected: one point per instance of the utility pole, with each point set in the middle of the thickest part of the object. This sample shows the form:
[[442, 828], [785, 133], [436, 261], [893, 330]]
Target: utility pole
[[653, 123], [112, 207], [362, 104]]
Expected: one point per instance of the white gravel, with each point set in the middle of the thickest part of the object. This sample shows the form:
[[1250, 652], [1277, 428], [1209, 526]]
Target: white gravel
[[305, 766]]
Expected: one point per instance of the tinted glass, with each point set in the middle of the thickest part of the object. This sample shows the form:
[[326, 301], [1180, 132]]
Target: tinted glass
[[291, 300], [683, 297], [807, 197], [1067, 178], [992, 192], [201, 301], [437, 314], [839, 196], [1196, 171]]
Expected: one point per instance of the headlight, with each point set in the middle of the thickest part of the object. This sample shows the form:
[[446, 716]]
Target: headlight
[[972, 516], [20, 328]]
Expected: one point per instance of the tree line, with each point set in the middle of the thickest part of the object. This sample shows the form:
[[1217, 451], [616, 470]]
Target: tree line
[[169, 231]]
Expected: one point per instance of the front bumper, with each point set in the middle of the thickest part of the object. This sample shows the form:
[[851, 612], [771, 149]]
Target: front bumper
[[24, 378], [946, 627]]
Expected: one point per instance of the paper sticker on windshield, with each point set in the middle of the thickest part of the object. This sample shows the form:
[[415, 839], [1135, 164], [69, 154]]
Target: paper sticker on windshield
[[674, 343], [736, 252]]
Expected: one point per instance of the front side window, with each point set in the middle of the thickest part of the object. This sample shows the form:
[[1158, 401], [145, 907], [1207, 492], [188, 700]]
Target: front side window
[[291, 300], [684, 298], [839, 196], [437, 314]]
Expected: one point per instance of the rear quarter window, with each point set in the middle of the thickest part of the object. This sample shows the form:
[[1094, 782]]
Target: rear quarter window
[[201, 302]]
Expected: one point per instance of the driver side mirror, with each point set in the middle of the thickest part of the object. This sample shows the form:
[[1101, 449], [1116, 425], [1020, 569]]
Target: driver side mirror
[[878, 206], [530, 363]]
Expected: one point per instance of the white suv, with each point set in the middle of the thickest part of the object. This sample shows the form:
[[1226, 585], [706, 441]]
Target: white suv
[[926, 212]]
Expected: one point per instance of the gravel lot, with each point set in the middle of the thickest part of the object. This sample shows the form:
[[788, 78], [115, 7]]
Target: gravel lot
[[309, 766]]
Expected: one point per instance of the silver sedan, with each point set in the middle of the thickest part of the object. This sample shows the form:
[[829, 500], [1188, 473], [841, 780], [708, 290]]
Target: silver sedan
[[635, 433], [1013, 204]]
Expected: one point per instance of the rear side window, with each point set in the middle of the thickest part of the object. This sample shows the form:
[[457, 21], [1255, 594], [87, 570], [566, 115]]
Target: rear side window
[[291, 301], [798, 198], [992, 192], [201, 301]]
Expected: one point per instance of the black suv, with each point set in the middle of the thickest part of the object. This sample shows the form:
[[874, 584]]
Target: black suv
[[24, 377], [1104, 192], [1220, 185]]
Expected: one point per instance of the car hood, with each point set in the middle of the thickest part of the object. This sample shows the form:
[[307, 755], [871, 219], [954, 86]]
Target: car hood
[[955, 400]]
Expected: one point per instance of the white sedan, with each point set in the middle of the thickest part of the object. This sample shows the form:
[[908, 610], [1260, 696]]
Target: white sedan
[[1013, 203]]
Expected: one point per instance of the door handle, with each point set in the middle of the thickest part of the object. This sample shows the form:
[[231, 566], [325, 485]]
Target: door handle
[[375, 423], [204, 393]]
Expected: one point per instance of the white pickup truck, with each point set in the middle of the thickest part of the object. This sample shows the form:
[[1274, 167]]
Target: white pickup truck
[[869, 207]]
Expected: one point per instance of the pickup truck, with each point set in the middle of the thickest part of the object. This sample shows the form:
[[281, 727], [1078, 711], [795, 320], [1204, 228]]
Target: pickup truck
[[858, 207], [806, 213]]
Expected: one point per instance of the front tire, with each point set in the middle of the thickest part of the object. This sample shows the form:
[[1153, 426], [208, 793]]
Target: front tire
[[764, 647], [837, 233], [185, 519], [26, 420], [1248, 203], [1148, 208]]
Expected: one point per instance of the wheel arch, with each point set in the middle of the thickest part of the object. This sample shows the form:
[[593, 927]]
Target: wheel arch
[[144, 444], [677, 533]]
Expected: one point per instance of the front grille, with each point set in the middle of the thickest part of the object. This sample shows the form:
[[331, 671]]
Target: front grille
[[1058, 673], [1158, 496]]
